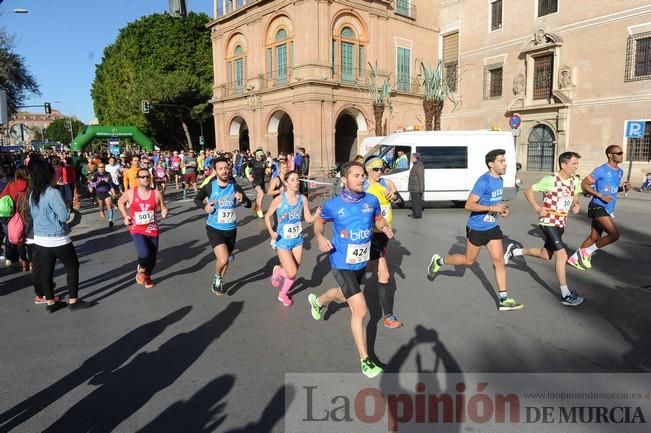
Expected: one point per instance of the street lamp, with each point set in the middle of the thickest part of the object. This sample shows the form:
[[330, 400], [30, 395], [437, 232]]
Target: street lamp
[[68, 122]]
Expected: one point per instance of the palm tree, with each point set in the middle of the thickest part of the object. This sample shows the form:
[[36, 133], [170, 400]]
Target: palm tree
[[436, 89], [380, 95]]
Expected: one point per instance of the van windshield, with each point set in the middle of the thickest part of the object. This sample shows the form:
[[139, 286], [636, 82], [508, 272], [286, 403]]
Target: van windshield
[[393, 160]]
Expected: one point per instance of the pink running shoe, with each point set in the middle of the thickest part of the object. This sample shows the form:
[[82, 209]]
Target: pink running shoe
[[287, 302], [41, 299], [275, 277]]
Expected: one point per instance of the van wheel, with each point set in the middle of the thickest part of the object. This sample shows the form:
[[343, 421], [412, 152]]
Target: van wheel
[[458, 203]]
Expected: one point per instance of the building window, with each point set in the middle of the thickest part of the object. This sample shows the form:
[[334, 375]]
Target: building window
[[638, 57], [493, 82], [543, 71], [236, 68], [347, 55], [496, 15], [403, 7], [639, 149], [280, 57], [450, 59], [547, 7], [403, 63]]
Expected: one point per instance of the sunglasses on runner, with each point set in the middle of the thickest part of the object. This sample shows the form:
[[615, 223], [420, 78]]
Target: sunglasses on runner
[[618, 153], [377, 169], [143, 177]]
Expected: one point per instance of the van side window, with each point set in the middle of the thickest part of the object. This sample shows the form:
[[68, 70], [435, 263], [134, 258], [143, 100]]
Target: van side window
[[444, 157]]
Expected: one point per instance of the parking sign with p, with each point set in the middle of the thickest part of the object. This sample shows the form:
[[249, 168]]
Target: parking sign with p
[[635, 128]]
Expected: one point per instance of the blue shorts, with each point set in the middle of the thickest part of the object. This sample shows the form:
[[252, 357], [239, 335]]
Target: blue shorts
[[289, 244]]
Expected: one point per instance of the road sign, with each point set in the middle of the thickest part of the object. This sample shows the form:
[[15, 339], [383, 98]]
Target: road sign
[[515, 121], [635, 128], [144, 105], [515, 132]]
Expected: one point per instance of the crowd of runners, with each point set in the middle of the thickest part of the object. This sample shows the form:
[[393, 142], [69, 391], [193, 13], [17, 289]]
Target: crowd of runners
[[39, 194]]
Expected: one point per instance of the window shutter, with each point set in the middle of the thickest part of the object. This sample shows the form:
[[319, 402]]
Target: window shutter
[[270, 64]]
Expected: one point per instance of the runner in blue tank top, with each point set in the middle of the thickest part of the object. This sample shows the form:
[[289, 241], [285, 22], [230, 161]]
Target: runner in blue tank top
[[604, 185], [289, 208], [485, 205], [219, 199], [353, 215]]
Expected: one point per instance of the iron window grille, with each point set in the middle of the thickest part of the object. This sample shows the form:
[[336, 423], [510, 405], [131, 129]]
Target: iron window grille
[[547, 7], [543, 70], [638, 57], [639, 149], [493, 82]]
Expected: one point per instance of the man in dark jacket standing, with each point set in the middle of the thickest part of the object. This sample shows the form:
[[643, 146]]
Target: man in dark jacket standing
[[416, 186], [302, 166]]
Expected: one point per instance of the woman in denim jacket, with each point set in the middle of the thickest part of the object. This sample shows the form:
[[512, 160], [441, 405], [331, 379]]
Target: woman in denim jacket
[[51, 240]]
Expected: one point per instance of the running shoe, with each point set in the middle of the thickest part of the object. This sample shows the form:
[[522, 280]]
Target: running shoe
[[111, 223], [573, 300], [391, 322], [287, 302], [185, 194], [314, 308], [508, 255], [573, 261], [260, 214], [275, 276], [140, 275], [273, 244], [218, 286], [148, 282], [585, 261], [509, 304], [80, 304], [433, 267], [370, 369], [41, 300], [55, 307]]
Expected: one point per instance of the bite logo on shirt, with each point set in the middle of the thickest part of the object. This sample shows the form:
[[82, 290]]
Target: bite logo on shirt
[[228, 201], [357, 235], [367, 208]]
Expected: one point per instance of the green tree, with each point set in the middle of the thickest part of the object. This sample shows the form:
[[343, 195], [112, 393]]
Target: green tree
[[15, 79], [58, 130], [162, 59]]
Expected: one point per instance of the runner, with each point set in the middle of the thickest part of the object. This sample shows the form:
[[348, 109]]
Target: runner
[[102, 183], [256, 174], [560, 196], [161, 175], [384, 190], [603, 184], [175, 162], [219, 199], [143, 223], [130, 177], [484, 204], [288, 208], [190, 175], [353, 215]]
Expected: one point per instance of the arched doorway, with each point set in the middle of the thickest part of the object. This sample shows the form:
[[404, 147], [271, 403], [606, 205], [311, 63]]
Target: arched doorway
[[240, 129], [281, 125], [345, 138], [540, 153]]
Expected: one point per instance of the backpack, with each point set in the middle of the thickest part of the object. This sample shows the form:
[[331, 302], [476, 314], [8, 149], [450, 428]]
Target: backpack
[[6, 207], [16, 230]]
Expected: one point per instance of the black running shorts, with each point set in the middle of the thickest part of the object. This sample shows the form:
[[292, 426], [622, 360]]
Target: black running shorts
[[479, 238], [218, 237], [553, 237], [379, 243], [349, 281]]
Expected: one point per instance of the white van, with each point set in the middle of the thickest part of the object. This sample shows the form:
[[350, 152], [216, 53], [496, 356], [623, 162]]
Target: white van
[[453, 161]]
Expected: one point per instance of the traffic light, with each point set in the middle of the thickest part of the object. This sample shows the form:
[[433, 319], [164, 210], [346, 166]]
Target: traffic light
[[144, 105], [48, 108], [201, 141]]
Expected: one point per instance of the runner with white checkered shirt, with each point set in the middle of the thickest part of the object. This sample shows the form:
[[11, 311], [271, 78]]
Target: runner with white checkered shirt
[[560, 196]]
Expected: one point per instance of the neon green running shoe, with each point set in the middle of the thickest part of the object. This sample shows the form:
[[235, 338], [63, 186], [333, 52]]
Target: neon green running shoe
[[370, 369], [433, 267], [315, 309], [585, 260], [509, 304]]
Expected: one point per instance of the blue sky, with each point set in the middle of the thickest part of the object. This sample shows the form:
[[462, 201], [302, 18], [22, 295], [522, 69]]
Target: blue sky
[[61, 41]]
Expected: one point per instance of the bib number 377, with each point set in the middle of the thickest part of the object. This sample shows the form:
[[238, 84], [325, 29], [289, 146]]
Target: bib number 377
[[226, 216], [358, 253]]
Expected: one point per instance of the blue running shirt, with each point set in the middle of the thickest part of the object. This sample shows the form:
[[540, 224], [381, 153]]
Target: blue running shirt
[[489, 189], [289, 219], [352, 229], [606, 182], [224, 217]]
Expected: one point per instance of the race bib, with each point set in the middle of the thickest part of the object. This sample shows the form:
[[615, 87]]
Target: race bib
[[226, 216], [386, 208], [564, 205], [358, 253], [489, 218], [144, 218], [292, 231]]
